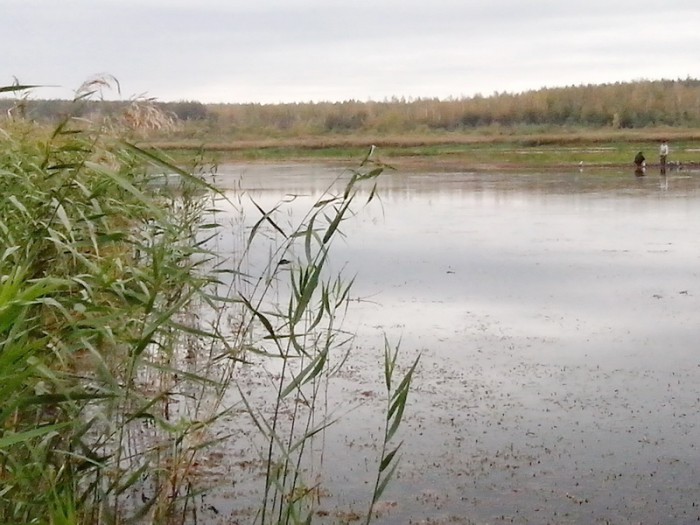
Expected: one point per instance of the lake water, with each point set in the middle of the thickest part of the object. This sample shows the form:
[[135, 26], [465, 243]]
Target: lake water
[[557, 318]]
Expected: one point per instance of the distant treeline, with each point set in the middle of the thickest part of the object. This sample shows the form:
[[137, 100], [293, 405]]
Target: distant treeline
[[620, 105]]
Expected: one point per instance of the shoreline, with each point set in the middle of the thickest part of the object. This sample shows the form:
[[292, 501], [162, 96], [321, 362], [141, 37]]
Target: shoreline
[[427, 164], [464, 153]]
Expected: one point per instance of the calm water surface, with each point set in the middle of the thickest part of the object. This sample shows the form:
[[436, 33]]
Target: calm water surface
[[557, 318]]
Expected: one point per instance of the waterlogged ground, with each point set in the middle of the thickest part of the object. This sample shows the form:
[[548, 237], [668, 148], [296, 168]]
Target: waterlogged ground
[[557, 316]]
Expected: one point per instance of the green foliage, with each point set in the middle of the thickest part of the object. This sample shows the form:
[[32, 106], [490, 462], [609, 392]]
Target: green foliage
[[397, 398], [307, 340], [97, 272], [121, 333]]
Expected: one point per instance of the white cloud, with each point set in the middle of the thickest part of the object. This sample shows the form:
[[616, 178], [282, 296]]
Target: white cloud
[[284, 50]]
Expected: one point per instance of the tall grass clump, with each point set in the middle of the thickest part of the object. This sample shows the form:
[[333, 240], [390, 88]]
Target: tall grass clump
[[99, 270], [123, 335]]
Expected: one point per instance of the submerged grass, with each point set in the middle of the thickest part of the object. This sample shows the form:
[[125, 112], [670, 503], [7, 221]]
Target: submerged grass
[[121, 331]]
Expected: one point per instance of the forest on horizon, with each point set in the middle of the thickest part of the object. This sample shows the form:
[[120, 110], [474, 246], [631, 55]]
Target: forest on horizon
[[620, 105]]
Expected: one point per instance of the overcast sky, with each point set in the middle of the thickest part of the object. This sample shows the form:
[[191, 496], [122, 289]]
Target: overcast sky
[[302, 50]]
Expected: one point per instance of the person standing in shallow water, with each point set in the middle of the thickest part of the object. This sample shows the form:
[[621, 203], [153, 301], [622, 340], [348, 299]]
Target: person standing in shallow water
[[640, 164], [663, 153]]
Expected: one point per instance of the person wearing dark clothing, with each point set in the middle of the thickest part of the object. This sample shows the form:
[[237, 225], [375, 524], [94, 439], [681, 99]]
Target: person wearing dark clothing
[[640, 164]]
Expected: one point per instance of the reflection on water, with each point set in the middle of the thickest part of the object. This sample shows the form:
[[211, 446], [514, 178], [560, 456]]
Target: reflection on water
[[557, 314]]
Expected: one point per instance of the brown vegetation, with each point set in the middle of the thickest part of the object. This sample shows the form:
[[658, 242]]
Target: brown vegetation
[[619, 106]]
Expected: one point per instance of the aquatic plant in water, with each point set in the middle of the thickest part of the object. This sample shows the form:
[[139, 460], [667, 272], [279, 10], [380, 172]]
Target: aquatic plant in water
[[121, 331]]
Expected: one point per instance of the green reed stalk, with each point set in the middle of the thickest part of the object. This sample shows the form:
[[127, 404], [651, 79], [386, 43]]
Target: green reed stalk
[[397, 398], [308, 339], [121, 332], [99, 268]]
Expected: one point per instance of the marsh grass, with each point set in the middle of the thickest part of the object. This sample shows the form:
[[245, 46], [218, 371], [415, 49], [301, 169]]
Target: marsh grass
[[466, 151], [295, 310], [122, 331], [397, 398], [97, 271]]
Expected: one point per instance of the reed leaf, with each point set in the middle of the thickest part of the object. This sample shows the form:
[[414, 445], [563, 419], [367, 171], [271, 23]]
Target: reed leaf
[[308, 373], [17, 87], [266, 217], [381, 487], [12, 438], [335, 222]]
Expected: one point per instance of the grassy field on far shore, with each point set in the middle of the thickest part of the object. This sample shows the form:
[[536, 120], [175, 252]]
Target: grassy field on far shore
[[606, 148]]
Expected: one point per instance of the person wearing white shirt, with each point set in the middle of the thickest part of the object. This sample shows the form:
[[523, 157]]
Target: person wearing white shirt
[[663, 153]]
